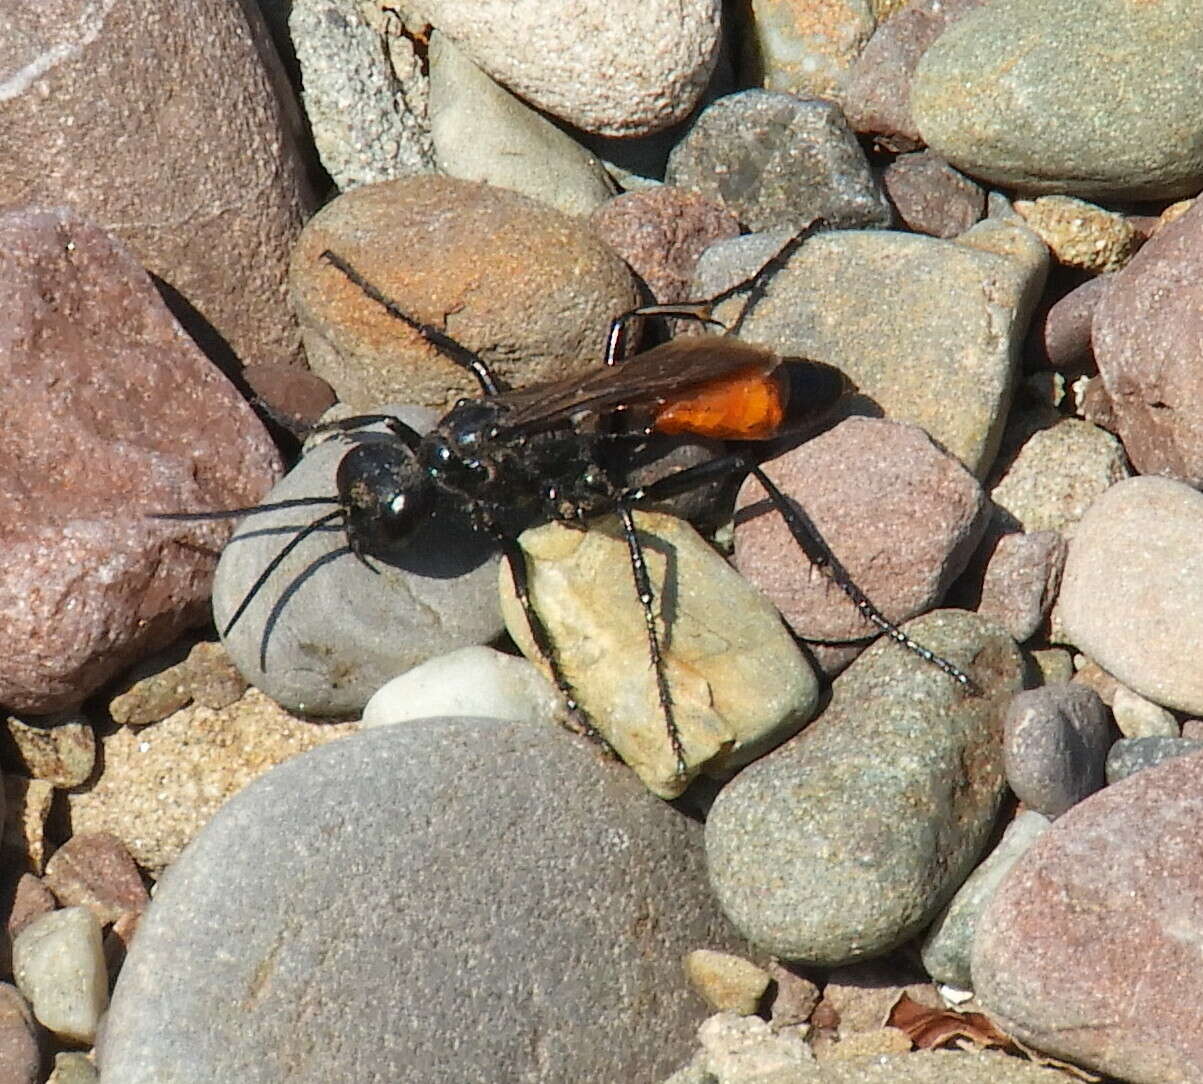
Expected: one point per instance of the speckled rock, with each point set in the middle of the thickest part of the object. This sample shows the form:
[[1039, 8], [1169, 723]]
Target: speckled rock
[[1088, 949], [848, 840], [1055, 741], [931, 197], [739, 682], [901, 515], [948, 945], [1147, 335], [1021, 581], [59, 967], [413, 893], [1138, 717], [430, 593], [482, 132], [1132, 594], [94, 870], [60, 748], [729, 983], [20, 1058], [160, 785], [950, 371], [1014, 93], [113, 414], [196, 90], [1080, 234], [1129, 755], [804, 47], [364, 90], [775, 160], [530, 289], [622, 69]]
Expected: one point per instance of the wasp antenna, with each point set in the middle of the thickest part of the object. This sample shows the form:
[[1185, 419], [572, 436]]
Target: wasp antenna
[[457, 352], [757, 286], [276, 562], [231, 513]]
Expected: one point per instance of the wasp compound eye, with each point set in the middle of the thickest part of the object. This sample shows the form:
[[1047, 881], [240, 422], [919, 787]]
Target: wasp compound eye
[[385, 493]]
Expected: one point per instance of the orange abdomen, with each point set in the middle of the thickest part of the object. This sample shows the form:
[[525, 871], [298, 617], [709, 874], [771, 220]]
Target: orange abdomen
[[747, 405]]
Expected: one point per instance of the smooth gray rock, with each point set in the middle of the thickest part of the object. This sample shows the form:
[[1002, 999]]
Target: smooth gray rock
[[847, 840], [1055, 741], [481, 132], [453, 900], [325, 632], [1132, 593], [774, 160], [1130, 755], [948, 945], [929, 331], [1014, 93]]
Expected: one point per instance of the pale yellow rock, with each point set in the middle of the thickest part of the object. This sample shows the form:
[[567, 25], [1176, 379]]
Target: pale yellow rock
[[1081, 234], [729, 983]]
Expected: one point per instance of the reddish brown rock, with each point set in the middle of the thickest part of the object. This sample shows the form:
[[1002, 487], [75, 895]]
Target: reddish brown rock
[[113, 414], [902, 517], [172, 127], [1059, 337], [1090, 948], [1148, 340], [528, 288], [20, 1057], [876, 98], [1021, 581], [298, 395], [931, 197], [661, 232], [94, 870]]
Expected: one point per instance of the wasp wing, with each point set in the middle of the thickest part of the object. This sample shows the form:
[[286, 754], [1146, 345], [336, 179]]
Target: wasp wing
[[653, 377]]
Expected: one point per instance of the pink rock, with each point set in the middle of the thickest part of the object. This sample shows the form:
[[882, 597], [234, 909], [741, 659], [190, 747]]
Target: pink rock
[[113, 414], [1021, 581], [94, 870], [931, 197], [1148, 341], [1090, 948], [900, 514]]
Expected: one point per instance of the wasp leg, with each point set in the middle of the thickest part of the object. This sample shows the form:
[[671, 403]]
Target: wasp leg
[[457, 352], [643, 587], [616, 340], [516, 559]]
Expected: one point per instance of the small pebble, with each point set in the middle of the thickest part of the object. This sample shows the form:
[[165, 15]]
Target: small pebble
[[728, 983], [1130, 755], [59, 966]]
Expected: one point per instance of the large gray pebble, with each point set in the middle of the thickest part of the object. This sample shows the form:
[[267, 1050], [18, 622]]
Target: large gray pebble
[[928, 330], [1132, 593], [325, 632], [1055, 741], [948, 945], [615, 67], [452, 900], [847, 840], [774, 160], [1015, 93]]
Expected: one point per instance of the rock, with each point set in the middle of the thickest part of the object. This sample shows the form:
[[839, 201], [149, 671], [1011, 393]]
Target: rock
[[661, 233], [776, 160], [1087, 950], [430, 593], [1046, 479], [1060, 333], [73, 1068], [1021, 581], [846, 842], [30, 899], [113, 415], [739, 683], [413, 892], [27, 805], [860, 997], [931, 197], [876, 97], [20, 1058], [59, 748], [804, 48], [94, 870], [160, 786], [1132, 594], [901, 516], [1055, 743], [1053, 664], [1137, 717], [469, 681], [1013, 93], [199, 93], [296, 394], [481, 132], [793, 996], [1079, 234], [364, 90], [59, 967], [530, 289], [951, 371], [621, 69], [744, 1048], [1146, 335], [948, 945], [728, 983], [1129, 755]]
